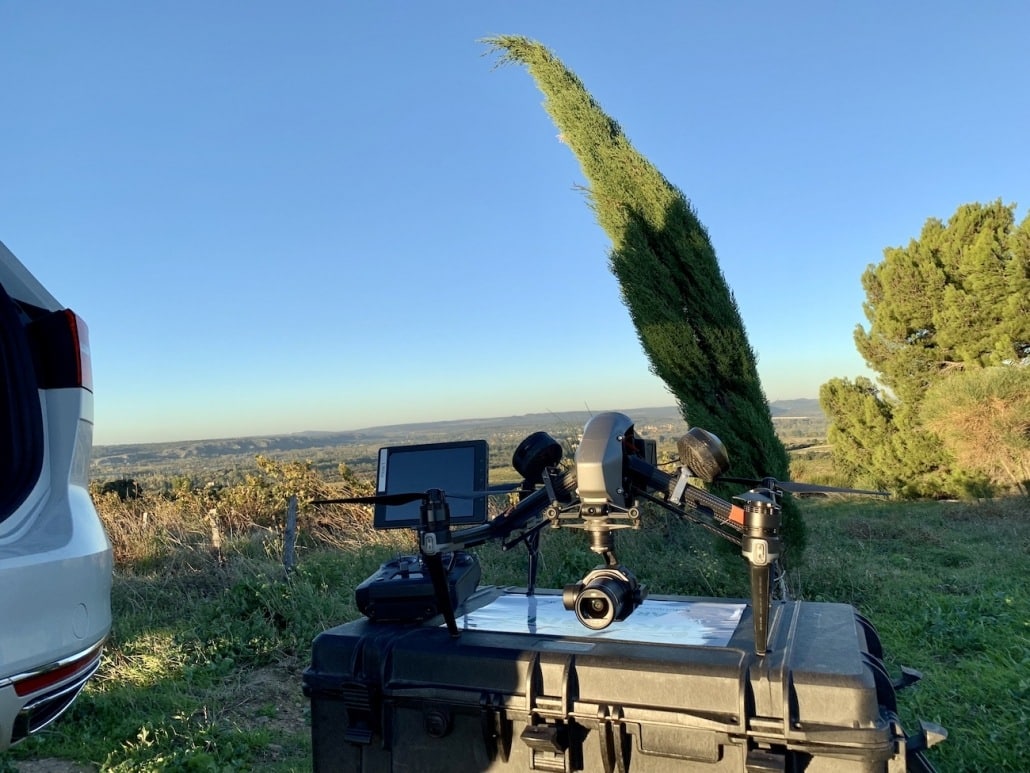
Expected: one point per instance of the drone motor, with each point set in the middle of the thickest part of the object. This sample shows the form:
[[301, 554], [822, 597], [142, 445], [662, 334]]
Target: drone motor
[[535, 454], [703, 454]]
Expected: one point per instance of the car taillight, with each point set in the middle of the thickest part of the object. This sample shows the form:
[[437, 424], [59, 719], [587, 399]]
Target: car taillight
[[61, 351], [27, 684]]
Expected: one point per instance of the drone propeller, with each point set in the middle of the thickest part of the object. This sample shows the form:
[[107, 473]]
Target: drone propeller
[[403, 498], [800, 488], [377, 499]]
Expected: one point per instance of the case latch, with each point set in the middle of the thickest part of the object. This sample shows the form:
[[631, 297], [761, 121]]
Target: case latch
[[765, 761], [360, 700], [548, 717], [548, 745]]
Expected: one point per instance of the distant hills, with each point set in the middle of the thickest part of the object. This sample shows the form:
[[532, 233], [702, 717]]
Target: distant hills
[[807, 407], [109, 460]]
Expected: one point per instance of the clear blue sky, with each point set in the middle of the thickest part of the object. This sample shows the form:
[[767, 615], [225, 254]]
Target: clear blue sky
[[279, 217]]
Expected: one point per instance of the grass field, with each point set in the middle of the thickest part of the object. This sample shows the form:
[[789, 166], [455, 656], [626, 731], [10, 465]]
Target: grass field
[[203, 670]]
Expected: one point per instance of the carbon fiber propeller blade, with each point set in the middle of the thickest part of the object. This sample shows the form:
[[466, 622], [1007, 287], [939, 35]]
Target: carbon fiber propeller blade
[[404, 498], [802, 488], [375, 499]]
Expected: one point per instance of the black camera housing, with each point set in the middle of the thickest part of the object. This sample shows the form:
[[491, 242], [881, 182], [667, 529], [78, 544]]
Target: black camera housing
[[606, 594]]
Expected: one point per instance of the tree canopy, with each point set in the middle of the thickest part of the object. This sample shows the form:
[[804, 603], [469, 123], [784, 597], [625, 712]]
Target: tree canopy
[[954, 301], [956, 298], [685, 316]]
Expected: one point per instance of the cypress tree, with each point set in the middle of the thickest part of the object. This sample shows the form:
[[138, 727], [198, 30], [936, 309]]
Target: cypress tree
[[685, 316]]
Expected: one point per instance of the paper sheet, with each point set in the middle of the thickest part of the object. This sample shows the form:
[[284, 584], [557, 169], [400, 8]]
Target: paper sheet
[[659, 622]]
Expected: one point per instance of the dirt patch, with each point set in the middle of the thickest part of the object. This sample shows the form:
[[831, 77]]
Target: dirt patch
[[269, 698]]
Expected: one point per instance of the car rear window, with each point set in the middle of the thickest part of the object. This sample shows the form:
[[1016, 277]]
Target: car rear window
[[21, 419]]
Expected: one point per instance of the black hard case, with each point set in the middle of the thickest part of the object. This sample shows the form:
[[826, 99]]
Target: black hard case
[[400, 698]]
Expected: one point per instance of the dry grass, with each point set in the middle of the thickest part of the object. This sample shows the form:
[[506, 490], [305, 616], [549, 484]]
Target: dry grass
[[161, 526]]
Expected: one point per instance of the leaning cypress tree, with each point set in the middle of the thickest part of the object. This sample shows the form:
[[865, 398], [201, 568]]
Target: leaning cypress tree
[[685, 316]]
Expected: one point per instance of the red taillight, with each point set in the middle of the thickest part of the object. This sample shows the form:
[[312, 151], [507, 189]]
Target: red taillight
[[41, 680], [85, 361], [61, 351]]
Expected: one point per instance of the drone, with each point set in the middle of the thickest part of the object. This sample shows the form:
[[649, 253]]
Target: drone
[[613, 471]]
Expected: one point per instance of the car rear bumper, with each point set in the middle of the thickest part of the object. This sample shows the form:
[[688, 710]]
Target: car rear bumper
[[46, 692], [56, 612]]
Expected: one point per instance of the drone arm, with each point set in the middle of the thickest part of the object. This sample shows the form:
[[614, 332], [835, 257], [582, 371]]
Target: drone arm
[[679, 495], [517, 517]]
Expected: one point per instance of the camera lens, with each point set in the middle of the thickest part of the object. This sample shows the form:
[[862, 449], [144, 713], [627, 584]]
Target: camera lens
[[606, 594], [595, 608]]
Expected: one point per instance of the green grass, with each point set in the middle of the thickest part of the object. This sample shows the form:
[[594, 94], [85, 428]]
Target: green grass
[[203, 671], [945, 585]]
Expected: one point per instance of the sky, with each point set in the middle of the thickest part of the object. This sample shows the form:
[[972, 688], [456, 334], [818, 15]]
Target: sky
[[280, 217]]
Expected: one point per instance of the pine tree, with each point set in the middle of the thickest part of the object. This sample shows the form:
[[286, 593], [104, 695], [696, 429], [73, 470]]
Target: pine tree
[[957, 298], [685, 316], [878, 442], [952, 302]]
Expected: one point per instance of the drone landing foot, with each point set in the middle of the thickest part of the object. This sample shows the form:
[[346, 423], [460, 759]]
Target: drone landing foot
[[434, 563]]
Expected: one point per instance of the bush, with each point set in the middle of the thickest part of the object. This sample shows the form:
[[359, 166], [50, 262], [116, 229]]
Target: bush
[[983, 418]]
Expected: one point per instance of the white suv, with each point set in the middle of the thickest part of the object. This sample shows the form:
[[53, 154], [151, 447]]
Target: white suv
[[55, 559]]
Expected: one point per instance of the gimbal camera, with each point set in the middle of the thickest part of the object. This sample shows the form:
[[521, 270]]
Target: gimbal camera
[[612, 471]]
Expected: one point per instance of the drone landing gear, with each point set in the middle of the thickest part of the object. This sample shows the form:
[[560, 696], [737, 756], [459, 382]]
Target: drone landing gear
[[761, 546], [538, 468]]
